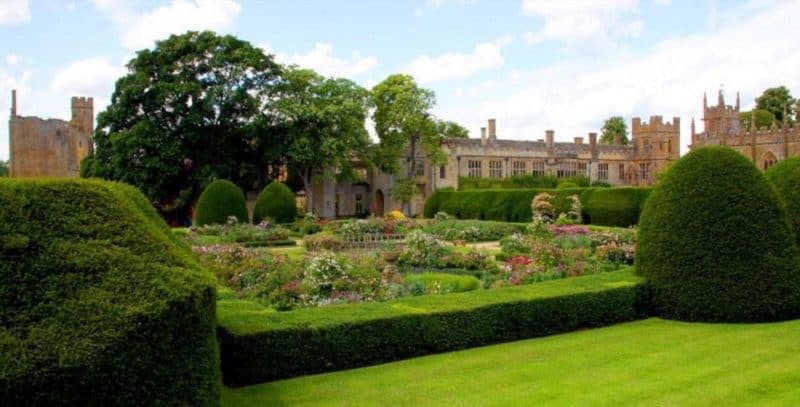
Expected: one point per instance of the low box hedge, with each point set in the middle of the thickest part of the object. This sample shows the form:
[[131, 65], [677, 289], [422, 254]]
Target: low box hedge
[[259, 345], [100, 303], [601, 206]]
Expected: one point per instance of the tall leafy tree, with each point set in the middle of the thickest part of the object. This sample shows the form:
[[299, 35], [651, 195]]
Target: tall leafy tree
[[3, 168], [761, 117], [192, 109], [405, 125], [615, 125], [321, 121], [777, 100]]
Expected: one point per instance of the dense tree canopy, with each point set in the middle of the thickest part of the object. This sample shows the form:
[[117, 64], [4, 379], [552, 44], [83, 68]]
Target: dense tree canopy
[[777, 100], [193, 109], [761, 117], [404, 123], [321, 123], [615, 125]]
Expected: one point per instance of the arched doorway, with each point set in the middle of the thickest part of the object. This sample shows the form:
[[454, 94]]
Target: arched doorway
[[768, 160], [378, 204]]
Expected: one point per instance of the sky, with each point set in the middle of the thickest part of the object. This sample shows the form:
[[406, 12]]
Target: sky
[[532, 65]]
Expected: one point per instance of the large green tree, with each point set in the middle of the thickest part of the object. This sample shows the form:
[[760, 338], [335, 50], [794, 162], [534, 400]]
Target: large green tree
[[193, 109], [405, 125], [777, 100], [761, 117], [615, 125], [321, 121], [3, 168]]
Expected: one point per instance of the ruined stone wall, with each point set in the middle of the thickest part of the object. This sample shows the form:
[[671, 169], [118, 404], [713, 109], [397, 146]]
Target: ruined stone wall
[[50, 147]]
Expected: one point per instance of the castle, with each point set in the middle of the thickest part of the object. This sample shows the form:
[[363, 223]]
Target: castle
[[50, 147], [653, 146], [764, 146]]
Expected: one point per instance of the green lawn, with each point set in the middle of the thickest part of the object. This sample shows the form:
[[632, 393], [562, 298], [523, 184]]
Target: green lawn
[[651, 362]]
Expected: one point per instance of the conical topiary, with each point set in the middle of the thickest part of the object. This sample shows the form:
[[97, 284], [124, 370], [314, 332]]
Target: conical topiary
[[715, 243], [276, 202], [220, 200], [785, 177]]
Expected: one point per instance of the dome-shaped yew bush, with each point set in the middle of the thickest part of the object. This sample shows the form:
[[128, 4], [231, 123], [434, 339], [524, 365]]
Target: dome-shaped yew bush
[[715, 243], [276, 202], [785, 177], [220, 200]]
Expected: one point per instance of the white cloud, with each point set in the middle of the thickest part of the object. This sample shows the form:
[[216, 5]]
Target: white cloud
[[575, 98], [141, 29], [88, 77], [15, 12], [321, 59], [13, 59], [575, 21], [455, 65]]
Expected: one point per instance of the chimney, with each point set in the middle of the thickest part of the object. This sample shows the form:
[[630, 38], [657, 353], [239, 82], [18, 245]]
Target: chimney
[[13, 102], [578, 140], [492, 129], [483, 136], [549, 135], [592, 141]]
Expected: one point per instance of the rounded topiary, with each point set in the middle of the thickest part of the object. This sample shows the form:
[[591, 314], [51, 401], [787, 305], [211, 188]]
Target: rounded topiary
[[715, 244], [100, 303], [220, 200], [276, 202], [785, 177]]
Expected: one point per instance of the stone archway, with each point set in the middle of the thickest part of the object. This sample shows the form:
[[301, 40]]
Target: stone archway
[[378, 203], [768, 159]]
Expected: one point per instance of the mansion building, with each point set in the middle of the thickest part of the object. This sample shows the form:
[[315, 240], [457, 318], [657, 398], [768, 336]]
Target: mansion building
[[653, 146], [764, 146]]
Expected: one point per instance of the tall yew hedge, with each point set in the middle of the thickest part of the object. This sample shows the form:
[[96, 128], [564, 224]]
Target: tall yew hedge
[[715, 244]]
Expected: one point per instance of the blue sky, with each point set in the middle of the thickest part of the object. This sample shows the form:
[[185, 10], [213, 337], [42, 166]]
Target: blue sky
[[531, 64]]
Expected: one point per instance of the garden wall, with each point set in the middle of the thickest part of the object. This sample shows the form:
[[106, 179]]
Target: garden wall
[[259, 345], [601, 206]]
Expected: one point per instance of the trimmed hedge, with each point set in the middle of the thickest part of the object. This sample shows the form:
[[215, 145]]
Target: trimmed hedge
[[601, 206], [473, 230], [100, 304], [220, 200], [715, 244], [261, 345], [785, 177], [613, 206], [276, 202]]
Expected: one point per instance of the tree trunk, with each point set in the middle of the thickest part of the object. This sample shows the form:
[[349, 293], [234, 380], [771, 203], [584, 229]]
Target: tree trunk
[[305, 175], [412, 172]]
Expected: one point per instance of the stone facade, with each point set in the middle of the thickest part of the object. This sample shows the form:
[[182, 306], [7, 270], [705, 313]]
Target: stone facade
[[654, 145], [764, 146], [50, 147]]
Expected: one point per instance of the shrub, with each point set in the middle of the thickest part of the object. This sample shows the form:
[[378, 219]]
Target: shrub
[[396, 215], [715, 244], [220, 200], [785, 177], [471, 230], [262, 346], [323, 241], [566, 185], [422, 249], [440, 283], [276, 202], [611, 206], [100, 303]]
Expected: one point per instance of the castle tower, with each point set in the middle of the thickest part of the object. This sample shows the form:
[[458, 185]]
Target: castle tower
[[722, 119], [655, 145], [83, 114]]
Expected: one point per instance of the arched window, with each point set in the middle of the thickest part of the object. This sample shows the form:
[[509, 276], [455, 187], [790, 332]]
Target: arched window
[[768, 160]]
